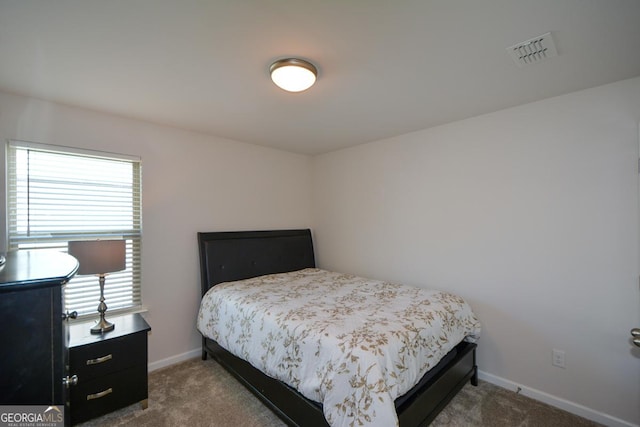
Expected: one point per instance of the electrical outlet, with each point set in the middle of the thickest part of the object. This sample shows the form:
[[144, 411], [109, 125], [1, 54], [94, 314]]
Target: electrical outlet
[[557, 358]]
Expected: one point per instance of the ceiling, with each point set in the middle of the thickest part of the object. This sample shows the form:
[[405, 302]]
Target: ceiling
[[385, 67]]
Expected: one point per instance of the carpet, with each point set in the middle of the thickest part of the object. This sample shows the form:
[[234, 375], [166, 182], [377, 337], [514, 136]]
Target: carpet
[[199, 393]]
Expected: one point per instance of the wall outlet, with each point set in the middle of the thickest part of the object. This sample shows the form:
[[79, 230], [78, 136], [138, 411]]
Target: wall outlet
[[557, 358]]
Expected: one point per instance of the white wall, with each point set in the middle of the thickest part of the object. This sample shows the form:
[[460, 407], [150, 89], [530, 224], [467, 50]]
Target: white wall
[[531, 214], [191, 182]]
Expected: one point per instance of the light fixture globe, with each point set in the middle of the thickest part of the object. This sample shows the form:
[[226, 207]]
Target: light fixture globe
[[293, 75]]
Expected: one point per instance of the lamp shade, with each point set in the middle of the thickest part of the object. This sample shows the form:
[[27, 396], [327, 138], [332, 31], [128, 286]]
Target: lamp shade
[[293, 75], [99, 256]]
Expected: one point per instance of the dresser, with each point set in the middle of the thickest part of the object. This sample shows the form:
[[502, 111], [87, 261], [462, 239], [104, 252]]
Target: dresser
[[111, 368], [33, 331]]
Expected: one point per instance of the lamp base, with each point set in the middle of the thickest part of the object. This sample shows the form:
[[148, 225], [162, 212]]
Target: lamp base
[[102, 326]]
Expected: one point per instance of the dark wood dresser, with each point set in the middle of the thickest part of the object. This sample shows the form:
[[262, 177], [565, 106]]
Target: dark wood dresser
[[111, 367], [33, 332]]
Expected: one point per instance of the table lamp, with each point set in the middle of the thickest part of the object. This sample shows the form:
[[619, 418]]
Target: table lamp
[[99, 257]]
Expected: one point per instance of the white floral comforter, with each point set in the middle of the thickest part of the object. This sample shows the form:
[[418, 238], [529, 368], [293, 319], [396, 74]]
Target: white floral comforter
[[353, 344]]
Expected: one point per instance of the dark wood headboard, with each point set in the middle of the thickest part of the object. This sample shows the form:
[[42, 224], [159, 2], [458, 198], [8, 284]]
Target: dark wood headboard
[[235, 255]]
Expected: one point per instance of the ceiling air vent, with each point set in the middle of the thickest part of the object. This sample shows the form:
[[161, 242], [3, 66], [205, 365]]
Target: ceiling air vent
[[533, 50]]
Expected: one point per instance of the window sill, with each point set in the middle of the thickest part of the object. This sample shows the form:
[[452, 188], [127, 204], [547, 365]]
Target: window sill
[[110, 313]]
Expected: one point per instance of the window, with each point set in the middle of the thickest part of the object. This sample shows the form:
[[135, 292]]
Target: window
[[58, 194]]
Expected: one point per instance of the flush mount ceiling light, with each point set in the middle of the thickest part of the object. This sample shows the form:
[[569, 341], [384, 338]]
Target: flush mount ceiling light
[[293, 75]]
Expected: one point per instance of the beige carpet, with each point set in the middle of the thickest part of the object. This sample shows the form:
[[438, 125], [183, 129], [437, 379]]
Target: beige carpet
[[201, 393]]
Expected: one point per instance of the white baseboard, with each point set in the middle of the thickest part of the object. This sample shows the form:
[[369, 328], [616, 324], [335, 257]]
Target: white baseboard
[[560, 403], [192, 354]]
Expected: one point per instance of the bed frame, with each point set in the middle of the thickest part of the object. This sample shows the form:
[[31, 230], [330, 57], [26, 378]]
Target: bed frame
[[237, 255]]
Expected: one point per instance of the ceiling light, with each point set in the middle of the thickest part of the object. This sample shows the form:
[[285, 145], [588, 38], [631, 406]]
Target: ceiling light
[[293, 75]]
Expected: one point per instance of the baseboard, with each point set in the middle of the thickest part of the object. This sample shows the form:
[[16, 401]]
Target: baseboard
[[549, 399], [192, 354]]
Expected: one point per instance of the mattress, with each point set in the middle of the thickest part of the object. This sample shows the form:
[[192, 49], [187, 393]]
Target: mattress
[[352, 344]]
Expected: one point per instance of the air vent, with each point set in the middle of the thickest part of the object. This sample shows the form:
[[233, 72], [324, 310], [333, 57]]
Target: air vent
[[533, 50]]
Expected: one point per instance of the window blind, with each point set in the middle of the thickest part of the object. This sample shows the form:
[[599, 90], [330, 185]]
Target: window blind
[[57, 194]]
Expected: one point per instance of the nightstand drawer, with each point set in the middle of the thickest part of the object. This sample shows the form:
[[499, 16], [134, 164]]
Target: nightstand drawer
[[104, 394], [102, 358]]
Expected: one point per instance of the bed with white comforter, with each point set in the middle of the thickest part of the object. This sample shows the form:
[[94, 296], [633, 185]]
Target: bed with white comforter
[[352, 344]]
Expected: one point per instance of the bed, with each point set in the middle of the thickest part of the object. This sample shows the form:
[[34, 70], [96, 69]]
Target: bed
[[265, 256]]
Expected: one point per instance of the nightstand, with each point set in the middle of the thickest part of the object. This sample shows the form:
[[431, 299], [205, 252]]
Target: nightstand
[[111, 368]]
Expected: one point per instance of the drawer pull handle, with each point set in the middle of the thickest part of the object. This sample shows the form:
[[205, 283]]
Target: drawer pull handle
[[99, 360], [99, 395]]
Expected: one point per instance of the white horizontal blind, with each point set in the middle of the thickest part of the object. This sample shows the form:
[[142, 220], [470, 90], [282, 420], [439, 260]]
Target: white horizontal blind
[[56, 195]]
